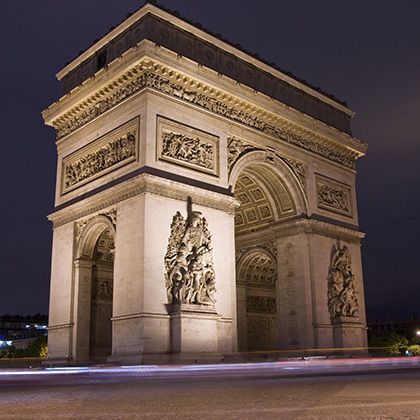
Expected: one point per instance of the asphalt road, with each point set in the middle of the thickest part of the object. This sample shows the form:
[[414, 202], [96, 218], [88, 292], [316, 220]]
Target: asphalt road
[[362, 389]]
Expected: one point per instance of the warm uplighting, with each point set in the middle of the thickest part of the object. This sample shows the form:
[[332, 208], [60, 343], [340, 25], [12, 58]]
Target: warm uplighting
[[418, 333]]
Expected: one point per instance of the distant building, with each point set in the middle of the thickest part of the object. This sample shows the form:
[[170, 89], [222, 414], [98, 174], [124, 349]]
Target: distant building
[[408, 327], [22, 329]]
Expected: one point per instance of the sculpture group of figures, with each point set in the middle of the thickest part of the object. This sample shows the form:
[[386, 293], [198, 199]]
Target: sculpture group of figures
[[188, 149], [342, 299], [333, 197], [189, 274], [92, 163]]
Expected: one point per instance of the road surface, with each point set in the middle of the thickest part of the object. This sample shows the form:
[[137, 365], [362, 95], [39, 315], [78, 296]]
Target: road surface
[[306, 389]]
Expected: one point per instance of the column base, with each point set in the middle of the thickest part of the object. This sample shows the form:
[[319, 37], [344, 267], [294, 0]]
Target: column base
[[348, 333], [193, 330]]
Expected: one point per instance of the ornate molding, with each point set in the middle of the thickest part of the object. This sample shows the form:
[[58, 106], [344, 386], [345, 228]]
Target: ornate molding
[[105, 154], [261, 304], [144, 183], [236, 149], [187, 146], [190, 277], [69, 122], [334, 196], [342, 295]]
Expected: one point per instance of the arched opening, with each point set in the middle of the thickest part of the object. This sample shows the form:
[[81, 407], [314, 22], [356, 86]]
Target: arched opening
[[269, 194], [94, 285], [257, 303], [100, 343]]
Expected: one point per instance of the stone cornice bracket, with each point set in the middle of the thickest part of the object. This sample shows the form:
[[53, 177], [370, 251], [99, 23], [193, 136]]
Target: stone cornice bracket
[[144, 183], [320, 228]]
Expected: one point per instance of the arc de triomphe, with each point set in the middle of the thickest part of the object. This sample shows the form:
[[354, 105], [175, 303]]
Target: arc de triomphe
[[205, 203]]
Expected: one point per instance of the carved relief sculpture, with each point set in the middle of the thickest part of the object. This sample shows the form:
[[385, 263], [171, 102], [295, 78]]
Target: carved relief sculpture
[[104, 288], [298, 169], [189, 273], [334, 196], [102, 156], [187, 146], [236, 148], [342, 295], [188, 149]]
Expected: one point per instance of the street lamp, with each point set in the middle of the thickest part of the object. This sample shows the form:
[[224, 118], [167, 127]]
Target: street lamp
[[418, 333]]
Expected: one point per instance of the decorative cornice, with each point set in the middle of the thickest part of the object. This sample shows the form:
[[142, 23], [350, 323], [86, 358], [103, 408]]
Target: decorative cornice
[[149, 74], [144, 183], [313, 226]]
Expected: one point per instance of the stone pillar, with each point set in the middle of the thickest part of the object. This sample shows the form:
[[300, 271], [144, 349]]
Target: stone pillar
[[60, 326], [294, 292], [82, 307], [331, 331], [129, 338], [142, 326]]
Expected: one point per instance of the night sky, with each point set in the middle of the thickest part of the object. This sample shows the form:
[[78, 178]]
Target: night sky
[[364, 52]]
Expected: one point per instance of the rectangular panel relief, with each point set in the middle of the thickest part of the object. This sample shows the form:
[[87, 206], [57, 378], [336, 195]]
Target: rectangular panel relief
[[334, 196], [190, 147], [105, 154]]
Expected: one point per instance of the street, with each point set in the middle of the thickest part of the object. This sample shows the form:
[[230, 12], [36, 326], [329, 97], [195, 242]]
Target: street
[[307, 389]]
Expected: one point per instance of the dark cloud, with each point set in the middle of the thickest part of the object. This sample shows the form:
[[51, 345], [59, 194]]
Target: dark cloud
[[366, 53]]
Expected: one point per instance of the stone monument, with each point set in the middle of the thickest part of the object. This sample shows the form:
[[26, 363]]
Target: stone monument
[[205, 203]]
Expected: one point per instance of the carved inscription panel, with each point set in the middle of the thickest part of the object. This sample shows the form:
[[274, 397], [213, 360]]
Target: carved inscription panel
[[103, 155], [334, 196], [187, 146]]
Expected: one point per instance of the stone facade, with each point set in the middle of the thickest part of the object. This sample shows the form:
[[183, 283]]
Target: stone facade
[[199, 213]]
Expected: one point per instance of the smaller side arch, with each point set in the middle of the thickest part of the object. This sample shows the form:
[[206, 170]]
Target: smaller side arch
[[245, 259], [93, 229], [257, 312]]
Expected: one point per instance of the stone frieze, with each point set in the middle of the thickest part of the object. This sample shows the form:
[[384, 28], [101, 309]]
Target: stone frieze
[[187, 146], [103, 155], [203, 100], [333, 196]]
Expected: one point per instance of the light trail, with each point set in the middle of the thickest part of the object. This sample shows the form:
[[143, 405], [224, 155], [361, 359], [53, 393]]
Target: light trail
[[310, 366]]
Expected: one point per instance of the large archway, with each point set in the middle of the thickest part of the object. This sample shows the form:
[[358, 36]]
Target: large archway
[[94, 278], [269, 194]]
